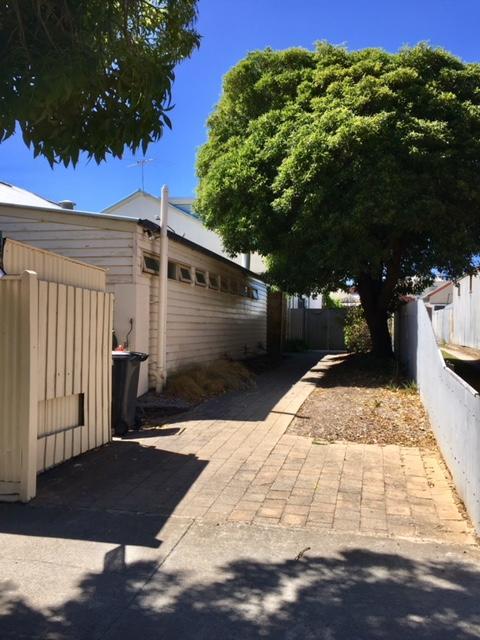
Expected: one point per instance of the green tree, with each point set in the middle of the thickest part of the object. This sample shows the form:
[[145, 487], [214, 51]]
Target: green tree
[[348, 168], [90, 75]]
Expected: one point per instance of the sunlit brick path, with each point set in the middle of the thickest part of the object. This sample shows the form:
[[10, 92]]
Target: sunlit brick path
[[231, 459]]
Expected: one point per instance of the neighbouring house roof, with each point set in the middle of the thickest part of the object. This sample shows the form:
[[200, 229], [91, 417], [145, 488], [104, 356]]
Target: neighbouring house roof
[[185, 205], [131, 196], [10, 194], [437, 289], [50, 209]]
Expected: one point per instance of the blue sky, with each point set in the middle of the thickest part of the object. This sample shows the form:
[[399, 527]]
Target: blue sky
[[230, 29]]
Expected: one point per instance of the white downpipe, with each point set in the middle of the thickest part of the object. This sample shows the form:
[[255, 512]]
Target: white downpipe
[[162, 294]]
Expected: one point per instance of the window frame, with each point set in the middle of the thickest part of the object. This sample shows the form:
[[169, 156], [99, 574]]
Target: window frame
[[252, 292], [202, 273], [224, 284], [150, 270], [181, 277], [175, 265], [212, 286]]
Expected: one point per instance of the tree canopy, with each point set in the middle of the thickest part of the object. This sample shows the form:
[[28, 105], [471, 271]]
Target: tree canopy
[[348, 167], [90, 75]]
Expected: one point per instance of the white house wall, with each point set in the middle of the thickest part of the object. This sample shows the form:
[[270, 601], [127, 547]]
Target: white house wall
[[83, 239], [144, 205], [183, 224], [203, 324]]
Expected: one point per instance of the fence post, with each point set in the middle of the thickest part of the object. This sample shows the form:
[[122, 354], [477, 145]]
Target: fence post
[[29, 365]]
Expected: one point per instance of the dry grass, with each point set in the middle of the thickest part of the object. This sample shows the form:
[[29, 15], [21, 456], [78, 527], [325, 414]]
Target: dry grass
[[362, 400], [198, 383]]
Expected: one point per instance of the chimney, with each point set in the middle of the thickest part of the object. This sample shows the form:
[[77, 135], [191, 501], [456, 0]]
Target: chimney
[[67, 204]]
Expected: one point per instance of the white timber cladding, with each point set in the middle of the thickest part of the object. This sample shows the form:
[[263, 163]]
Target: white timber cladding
[[204, 324], [51, 266], [55, 379], [92, 239]]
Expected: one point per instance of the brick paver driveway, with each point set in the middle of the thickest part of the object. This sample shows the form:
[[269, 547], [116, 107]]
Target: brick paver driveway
[[230, 459]]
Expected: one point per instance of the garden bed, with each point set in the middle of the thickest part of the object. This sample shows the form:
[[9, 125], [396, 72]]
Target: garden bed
[[361, 399]]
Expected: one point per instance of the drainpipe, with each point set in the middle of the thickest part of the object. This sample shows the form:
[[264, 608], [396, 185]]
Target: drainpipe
[[162, 295]]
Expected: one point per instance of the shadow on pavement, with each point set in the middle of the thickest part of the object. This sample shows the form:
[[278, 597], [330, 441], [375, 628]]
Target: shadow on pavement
[[122, 493], [354, 595], [254, 405]]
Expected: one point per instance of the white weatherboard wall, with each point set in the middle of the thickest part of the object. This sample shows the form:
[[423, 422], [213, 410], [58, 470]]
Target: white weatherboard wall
[[452, 405], [202, 324], [459, 323], [105, 243]]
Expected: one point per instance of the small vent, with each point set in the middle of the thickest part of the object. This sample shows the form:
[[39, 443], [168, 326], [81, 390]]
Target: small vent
[[67, 204]]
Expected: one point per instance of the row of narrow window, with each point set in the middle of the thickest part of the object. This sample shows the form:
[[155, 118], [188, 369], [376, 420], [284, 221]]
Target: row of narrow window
[[184, 273]]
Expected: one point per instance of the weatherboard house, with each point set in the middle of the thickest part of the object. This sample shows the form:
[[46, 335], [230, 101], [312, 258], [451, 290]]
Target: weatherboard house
[[182, 301]]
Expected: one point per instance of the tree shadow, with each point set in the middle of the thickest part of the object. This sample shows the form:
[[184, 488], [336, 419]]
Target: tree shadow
[[122, 493], [254, 405], [357, 370], [355, 594]]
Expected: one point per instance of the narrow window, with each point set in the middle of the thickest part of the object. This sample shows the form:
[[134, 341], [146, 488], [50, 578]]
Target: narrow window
[[185, 273], [151, 264], [172, 270], [252, 293], [459, 289], [471, 284], [213, 281], [224, 284], [200, 278]]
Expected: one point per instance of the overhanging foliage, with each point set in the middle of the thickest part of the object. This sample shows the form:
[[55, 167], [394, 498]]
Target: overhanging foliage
[[90, 75]]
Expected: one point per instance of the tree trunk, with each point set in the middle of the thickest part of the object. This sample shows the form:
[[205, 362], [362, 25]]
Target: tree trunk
[[379, 333], [375, 308]]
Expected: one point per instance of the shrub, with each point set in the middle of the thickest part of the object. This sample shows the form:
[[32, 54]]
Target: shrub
[[357, 335]]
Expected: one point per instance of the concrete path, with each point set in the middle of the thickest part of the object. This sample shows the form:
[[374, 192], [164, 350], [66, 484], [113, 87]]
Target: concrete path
[[192, 531]]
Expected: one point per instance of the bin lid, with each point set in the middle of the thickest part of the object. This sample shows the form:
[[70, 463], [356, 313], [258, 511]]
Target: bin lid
[[129, 355]]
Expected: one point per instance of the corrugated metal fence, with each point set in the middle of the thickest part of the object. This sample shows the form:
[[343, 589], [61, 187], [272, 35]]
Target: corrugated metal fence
[[459, 322], [319, 328], [55, 380]]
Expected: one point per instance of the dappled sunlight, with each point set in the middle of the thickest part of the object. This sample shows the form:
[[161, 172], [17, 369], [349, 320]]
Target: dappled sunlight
[[358, 594]]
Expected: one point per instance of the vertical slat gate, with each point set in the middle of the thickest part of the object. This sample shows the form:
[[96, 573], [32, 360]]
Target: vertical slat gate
[[18, 386], [55, 379], [74, 373]]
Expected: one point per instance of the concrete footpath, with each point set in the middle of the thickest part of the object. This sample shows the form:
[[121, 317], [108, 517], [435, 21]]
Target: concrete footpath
[[240, 581], [221, 524]]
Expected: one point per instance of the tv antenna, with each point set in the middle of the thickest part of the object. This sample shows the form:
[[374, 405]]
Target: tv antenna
[[141, 163]]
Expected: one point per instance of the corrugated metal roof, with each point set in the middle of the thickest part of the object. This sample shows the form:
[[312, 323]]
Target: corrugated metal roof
[[9, 194]]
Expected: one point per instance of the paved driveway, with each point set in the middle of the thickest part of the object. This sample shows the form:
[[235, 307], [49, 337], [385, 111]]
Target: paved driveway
[[192, 531]]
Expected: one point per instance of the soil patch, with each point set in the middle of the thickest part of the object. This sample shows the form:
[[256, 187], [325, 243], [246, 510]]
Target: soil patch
[[361, 399]]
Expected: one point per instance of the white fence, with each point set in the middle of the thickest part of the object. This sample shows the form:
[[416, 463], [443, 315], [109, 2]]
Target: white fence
[[459, 322], [452, 405], [442, 322]]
